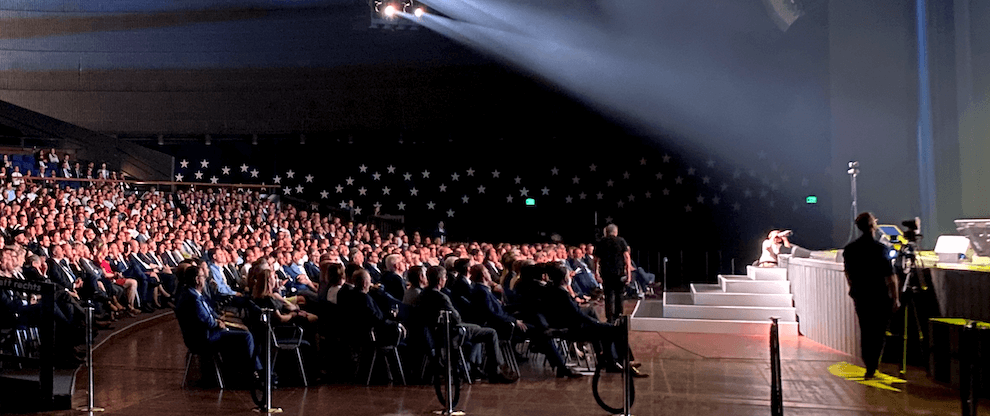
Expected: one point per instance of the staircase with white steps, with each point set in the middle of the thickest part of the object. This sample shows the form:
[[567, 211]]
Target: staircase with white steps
[[740, 304]]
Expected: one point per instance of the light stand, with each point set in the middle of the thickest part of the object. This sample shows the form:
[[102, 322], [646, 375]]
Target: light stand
[[853, 172]]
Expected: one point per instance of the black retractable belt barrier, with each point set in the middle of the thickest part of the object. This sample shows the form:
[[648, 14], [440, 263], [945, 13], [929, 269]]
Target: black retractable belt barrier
[[969, 386], [90, 406], [776, 390], [628, 387]]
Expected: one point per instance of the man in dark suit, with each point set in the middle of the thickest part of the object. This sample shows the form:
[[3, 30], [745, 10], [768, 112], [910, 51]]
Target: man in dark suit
[[432, 301], [371, 265], [202, 331], [392, 280], [362, 313]]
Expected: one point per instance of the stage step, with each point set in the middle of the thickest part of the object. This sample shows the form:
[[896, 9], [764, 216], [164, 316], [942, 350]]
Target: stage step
[[713, 295], [681, 305], [743, 284], [712, 326], [766, 273]]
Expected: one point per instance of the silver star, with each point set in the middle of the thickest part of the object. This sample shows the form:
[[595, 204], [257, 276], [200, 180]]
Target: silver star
[[687, 208], [386, 191], [430, 205], [390, 169], [554, 171], [443, 188], [455, 177], [508, 199], [705, 180], [254, 173], [299, 189], [518, 180], [593, 168], [691, 171], [481, 189], [545, 191], [290, 174], [198, 175], [324, 194], [349, 181], [377, 205], [620, 203], [608, 220], [357, 210], [736, 206], [568, 199], [343, 204], [724, 187], [426, 174], [701, 199], [184, 164], [524, 192], [632, 198], [609, 183], [715, 200], [666, 158], [277, 179], [625, 175], [659, 176], [244, 168], [407, 176], [648, 195], [464, 199], [582, 195], [642, 162], [204, 163], [214, 179], [376, 176], [363, 168], [450, 213], [678, 180], [600, 195], [495, 174], [402, 206], [178, 177], [470, 172], [339, 189], [309, 178], [414, 192], [225, 170], [711, 163], [287, 190], [575, 180], [666, 191]]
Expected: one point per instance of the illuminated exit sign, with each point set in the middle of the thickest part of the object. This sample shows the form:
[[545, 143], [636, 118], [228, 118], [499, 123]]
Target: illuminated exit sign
[[811, 199]]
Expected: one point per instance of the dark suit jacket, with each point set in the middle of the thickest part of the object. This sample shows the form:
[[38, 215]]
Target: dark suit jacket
[[394, 285], [196, 320], [561, 311], [58, 276], [486, 310], [428, 306], [376, 274]]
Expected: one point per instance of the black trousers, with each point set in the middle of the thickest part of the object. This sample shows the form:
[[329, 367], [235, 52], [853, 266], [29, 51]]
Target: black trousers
[[614, 288], [874, 315]]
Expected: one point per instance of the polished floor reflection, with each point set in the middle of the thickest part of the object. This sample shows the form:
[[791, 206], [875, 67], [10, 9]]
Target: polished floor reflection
[[139, 372]]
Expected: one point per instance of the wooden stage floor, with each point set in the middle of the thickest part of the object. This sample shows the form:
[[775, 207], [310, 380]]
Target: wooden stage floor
[[139, 372]]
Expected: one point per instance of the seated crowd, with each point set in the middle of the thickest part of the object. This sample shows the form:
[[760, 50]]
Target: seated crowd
[[219, 257]]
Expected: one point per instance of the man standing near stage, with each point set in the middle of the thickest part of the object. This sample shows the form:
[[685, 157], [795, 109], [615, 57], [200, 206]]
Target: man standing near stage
[[873, 287], [612, 268]]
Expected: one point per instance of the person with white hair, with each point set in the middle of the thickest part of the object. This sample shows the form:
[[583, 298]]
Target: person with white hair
[[771, 247]]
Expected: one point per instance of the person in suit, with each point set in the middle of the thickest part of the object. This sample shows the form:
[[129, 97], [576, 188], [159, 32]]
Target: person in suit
[[584, 279], [392, 280], [362, 313], [432, 301], [371, 265], [202, 330]]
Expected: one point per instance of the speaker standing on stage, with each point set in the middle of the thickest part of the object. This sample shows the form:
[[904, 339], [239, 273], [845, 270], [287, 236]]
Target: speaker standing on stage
[[873, 287], [612, 268]]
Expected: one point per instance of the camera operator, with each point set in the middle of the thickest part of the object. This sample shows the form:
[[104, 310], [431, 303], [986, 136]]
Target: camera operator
[[772, 246], [873, 288]]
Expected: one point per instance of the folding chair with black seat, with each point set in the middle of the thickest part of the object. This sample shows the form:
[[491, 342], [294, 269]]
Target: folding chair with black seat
[[289, 338], [211, 356], [438, 351], [388, 346]]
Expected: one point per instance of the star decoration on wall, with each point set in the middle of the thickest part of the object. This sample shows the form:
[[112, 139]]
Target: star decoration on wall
[[178, 177], [324, 194], [214, 179], [290, 174], [309, 178], [254, 173], [198, 175], [225, 170], [414, 192], [204, 163], [184, 163], [390, 169], [363, 168], [244, 168], [376, 176]]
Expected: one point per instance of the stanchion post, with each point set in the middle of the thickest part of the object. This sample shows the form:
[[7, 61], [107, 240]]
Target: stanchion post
[[626, 371], [90, 394], [970, 377], [776, 390], [449, 410], [266, 407]]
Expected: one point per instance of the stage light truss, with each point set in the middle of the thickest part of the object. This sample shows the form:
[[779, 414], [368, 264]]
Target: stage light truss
[[385, 14]]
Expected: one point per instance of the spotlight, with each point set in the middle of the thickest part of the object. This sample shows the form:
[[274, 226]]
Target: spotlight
[[161, 140], [390, 11], [208, 140], [419, 12]]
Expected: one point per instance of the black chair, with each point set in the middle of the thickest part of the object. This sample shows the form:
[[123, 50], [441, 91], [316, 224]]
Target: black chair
[[289, 338], [212, 356], [387, 348]]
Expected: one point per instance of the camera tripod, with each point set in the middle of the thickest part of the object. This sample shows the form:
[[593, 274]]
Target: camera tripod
[[906, 268]]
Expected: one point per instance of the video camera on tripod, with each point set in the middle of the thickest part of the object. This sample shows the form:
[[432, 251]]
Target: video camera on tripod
[[906, 261]]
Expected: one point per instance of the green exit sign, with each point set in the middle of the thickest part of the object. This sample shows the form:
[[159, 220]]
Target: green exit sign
[[811, 199], [530, 202]]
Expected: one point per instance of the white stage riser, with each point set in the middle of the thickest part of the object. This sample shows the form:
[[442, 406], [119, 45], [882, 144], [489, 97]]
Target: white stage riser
[[754, 286], [766, 273], [786, 329], [729, 313], [771, 300]]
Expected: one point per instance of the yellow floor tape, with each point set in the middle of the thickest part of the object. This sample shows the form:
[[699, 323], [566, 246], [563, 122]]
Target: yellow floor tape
[[855, 373]]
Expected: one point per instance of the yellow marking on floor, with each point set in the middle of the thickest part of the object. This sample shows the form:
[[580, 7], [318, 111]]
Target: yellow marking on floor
[[855, 373]]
